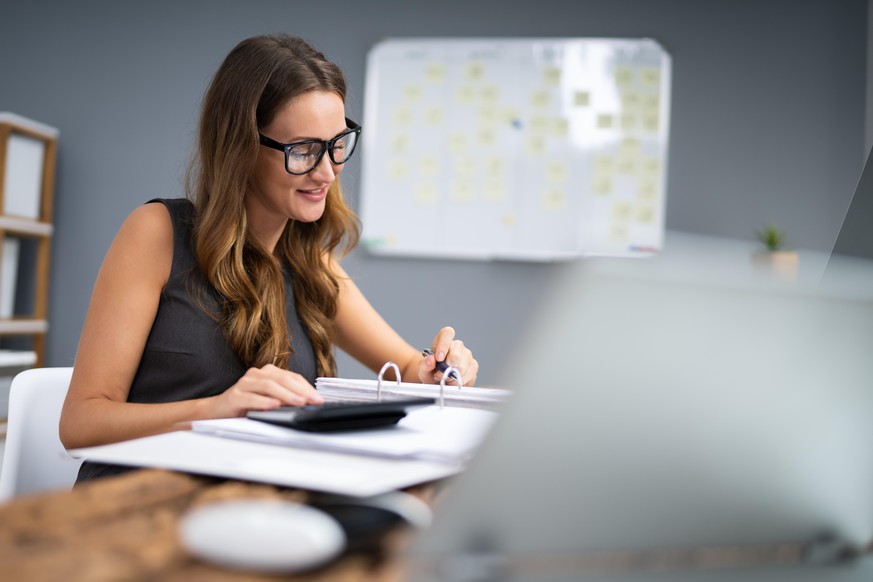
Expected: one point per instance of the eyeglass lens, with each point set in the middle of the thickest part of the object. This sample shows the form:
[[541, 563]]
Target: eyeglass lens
[[304, 157]]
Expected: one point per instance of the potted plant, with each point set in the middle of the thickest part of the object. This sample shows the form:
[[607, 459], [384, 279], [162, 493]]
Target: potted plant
[[777, 255]]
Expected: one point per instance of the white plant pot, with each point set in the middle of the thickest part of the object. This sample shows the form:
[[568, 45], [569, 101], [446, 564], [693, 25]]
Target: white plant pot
[[784, 264]]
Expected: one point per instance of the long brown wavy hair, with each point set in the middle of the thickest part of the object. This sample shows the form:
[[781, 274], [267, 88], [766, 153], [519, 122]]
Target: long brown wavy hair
[[257, 78]]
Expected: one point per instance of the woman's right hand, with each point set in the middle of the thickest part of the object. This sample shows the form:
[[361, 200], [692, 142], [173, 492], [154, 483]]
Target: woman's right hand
[[263, 389]]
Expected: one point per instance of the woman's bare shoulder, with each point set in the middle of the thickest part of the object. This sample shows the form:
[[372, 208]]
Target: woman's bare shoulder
[[145, 239]]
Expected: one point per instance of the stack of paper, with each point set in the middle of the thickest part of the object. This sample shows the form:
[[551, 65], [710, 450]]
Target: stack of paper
[[429, 443], [448, 435], [343, 474], [338, 389]]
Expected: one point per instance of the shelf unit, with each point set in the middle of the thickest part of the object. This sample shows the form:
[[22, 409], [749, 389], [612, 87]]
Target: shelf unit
[[28, 150]]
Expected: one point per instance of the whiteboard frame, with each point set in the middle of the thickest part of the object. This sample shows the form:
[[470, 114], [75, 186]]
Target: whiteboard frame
[[376, 212]]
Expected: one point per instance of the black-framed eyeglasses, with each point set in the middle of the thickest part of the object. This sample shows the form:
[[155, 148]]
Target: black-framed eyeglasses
[[301, 157]]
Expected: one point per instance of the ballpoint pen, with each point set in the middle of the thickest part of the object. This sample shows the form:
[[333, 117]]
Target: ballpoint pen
[[441, 366]]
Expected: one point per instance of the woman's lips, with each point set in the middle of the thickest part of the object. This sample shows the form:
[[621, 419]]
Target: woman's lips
[[315, 195]]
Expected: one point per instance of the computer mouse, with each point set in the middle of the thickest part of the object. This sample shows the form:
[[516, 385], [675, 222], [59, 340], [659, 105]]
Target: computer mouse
[[366, 519], [262, 535], [394, 507]]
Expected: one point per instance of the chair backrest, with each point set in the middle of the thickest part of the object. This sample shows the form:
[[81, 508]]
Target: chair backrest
[[34, 459]]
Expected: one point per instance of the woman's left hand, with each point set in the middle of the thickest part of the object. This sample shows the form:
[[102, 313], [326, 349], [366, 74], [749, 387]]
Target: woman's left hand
[[454, 353]]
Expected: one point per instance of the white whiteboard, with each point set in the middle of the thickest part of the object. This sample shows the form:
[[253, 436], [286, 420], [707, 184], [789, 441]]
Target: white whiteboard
[[531, 149]]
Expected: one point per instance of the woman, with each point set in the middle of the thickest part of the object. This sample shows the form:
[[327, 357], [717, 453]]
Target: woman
[[233, 302]]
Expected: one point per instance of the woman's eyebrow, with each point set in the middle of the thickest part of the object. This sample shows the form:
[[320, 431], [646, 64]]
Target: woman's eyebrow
[[301, 138]]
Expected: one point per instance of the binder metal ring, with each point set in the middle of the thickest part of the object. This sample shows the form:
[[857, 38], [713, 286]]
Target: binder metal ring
[[446, 373], [382, 373]]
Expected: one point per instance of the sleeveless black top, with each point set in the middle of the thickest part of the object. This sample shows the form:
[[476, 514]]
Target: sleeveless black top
[[186, 355]]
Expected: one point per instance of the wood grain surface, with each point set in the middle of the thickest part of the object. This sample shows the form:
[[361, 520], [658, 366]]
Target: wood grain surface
[[126, 528]]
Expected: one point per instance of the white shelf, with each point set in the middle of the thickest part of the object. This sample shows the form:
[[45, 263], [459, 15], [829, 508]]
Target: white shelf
[[34, 126], [27, 177], [26, 226], [17, 359], [23, 326]]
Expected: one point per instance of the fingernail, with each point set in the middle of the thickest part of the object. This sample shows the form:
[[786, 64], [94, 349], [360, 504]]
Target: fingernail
[[436, 378], [441, 356]]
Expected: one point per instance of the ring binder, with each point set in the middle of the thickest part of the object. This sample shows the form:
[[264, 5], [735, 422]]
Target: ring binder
[[348, 389], [381, 374], [448, 371], [446, 374]]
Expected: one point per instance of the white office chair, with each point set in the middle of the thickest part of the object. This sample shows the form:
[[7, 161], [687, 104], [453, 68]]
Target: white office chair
[[34, 459]]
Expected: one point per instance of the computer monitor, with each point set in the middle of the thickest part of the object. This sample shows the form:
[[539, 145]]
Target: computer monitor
[[676, 414], [855, 238]]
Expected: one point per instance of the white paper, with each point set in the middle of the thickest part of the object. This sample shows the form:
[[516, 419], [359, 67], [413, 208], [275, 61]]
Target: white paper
[[332, 472], [448, 435]]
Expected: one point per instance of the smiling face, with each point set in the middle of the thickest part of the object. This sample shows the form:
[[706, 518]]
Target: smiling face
[[277, 196]]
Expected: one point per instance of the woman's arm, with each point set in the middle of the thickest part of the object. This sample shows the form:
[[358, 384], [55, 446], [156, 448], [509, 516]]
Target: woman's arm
[[362, 333], [123, 307]]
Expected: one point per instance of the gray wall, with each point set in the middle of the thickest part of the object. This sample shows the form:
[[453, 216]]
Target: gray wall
[[768, 117]]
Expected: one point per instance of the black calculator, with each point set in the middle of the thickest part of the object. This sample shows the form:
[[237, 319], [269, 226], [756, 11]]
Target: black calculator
[[337, 416]]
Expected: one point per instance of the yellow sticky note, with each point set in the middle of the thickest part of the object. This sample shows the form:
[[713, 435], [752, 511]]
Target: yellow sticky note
[[399, 142], [486, 137], [630, 102], [490, 93], [457, 141], [487, 117], [397, 170], [425, 193], [560, 126], [604, 164], [581, 98], [650, 103], [552, 76], [464, 94], [619, 233], [401, 116], [474, 71], [630, 147], [509, 116], [628, 121], [508, 220], [539, 123], [412, 93], [462, 191], [602, 185], [624, 76], [621, 212], [494, 190], [647, 189], [434, 116], [435, 72], [626, 165], [645, 214], [650, 77], [428, 166], [604, 121], [651, 123], [465, 166], [539, 98], [650, 168], [553, 199], [536, 145], [495, 166], [556, 171]]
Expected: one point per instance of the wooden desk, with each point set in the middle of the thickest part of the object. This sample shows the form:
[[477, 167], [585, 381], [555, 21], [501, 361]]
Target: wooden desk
[[125, 528]]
